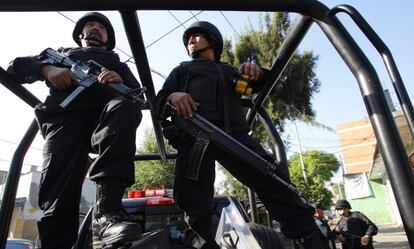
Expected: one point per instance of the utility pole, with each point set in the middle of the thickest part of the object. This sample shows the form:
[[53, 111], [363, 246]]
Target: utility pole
[[305, 178], [343, 176]]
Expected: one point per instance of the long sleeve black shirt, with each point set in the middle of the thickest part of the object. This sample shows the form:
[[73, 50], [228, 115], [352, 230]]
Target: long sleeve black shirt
[[28, 70]]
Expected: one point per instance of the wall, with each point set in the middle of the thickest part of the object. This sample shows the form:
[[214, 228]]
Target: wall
[[396, 212], [377, 207], [358, 145], [28, 212]]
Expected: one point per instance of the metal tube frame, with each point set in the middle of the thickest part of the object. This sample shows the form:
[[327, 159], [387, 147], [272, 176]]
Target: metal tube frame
[[12, 182], [280, 156], [285, 54], [388, 59], [385, 129], [277, 142], [136, 41], [395, 158]]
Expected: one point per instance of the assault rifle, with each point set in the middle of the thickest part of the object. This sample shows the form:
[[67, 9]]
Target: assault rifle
[[88, 75], [205, 132], [347, 234]]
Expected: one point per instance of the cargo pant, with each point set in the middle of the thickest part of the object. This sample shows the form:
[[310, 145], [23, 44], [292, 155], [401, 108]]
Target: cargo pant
[[195, 197], [70, 137]]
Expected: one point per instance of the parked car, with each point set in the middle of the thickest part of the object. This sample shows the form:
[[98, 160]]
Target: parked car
[[164, 226], [19, 244]]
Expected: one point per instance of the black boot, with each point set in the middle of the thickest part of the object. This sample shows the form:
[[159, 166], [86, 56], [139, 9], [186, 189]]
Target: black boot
[[110, 226], [310, 241]]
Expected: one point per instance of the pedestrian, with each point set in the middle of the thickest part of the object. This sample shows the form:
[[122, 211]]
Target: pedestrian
[[326, 234], [98, 121], [205, 85], [354, 230]]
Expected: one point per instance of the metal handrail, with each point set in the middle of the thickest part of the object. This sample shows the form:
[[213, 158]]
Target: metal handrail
[[12, 181], [136, 41], [387, 57], [390, 144]]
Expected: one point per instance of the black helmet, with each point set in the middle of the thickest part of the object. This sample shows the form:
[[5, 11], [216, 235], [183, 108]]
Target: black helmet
[[212, 34], [317, 206], [342, 204], [98, 17]]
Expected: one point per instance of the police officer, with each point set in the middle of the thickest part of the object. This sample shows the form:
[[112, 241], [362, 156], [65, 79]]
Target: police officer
[[327, 236], [98, 121], [354, 229], [204, 85]]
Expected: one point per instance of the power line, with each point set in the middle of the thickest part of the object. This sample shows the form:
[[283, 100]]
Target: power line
[[346, 111], [360, 141], [65, 16], [169, 32], [73, 21], [11, 142], [313, 135], [335, 152], [130, 57], [7, 141], [346, 142], [227, 20], [181, 24], [195, 17]]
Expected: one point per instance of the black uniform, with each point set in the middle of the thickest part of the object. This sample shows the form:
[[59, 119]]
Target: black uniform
[[326, 234], [353, 228], [98, 121], [200, 78]]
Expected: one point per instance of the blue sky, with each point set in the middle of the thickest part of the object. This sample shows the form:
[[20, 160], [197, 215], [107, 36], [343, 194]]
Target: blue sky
[[338, 101]]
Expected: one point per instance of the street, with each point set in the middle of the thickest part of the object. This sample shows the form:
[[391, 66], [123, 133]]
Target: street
[[391, 236]]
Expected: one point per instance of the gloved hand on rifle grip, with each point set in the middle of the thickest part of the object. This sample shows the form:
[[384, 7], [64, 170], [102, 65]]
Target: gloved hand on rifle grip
[[184, 104], [60, 77]]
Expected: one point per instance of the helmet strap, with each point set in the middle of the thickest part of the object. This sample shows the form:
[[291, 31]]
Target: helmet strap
[[196, 54]]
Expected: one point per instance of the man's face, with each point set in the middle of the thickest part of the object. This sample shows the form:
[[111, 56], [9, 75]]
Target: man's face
[[196, 41], [343, 212], [94, 34], [319, 213]]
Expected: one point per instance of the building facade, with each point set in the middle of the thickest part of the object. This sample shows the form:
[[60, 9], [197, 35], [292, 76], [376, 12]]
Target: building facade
[[365, 178], [26, 211]]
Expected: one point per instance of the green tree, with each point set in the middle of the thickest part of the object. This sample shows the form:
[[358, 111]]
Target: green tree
[[153, 174], [291, 97], [319, 168], [227, 55], [231, 186]]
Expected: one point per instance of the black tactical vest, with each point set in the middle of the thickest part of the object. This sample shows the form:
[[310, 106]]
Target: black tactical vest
[[203, 82]]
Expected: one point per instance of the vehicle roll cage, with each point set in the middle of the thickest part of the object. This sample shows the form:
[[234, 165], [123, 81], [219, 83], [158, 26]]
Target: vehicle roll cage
[[395, 158]]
